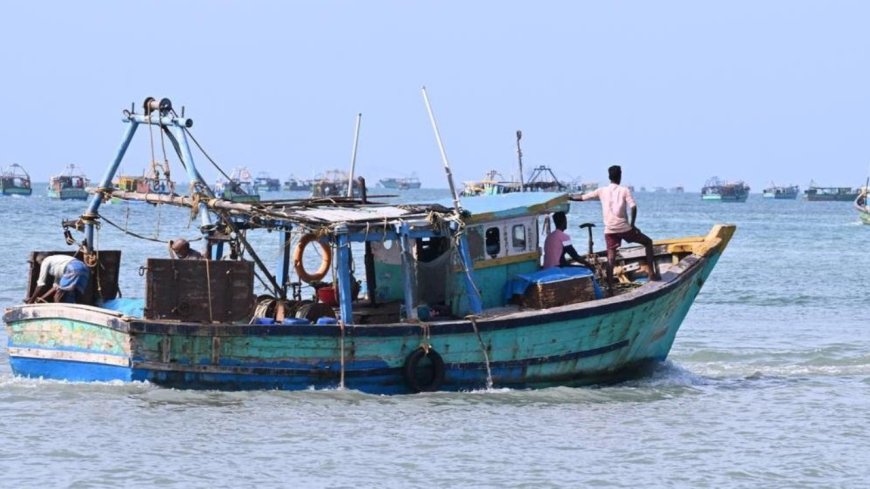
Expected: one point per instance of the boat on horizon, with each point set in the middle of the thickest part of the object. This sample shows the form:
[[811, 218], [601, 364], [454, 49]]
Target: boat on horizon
[[294, 184], [862, 205], [815, 193], [400, 183], [71, 184], [265, 183], [14, 180], [789, 192], [425, 323], [333, 183], [238, 188], [493, 183], [717, 190]]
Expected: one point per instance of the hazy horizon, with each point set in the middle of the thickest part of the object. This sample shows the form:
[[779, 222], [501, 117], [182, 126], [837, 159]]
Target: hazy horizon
[[675, 92]]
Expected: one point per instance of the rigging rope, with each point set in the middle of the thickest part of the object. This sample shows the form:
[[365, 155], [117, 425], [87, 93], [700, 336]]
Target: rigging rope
[[473, 320]]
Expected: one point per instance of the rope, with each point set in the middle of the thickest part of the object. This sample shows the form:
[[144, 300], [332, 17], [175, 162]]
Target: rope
[[473, 320]]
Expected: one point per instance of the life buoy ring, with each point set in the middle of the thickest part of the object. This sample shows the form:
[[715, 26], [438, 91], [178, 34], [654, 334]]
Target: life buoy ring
[[324, 264], [411, 371]]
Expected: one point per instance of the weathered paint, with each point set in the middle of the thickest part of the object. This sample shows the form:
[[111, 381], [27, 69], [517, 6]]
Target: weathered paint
[[593, 342]]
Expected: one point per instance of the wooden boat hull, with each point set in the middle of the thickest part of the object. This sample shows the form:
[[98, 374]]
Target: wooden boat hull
[[69, 194], [588, 343], [17, 191]]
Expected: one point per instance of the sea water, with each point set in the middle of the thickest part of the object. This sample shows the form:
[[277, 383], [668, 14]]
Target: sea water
[[767, 385]]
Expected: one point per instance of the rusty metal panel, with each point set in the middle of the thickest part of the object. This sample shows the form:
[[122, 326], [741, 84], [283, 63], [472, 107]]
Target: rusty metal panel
[[199, 290], [104, 274]]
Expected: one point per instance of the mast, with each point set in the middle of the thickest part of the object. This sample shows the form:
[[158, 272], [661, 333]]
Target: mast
[[353, 156], [520, 158], [456, 204]]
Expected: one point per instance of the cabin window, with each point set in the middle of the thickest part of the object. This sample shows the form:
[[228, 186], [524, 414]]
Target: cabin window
[[518, 237], [428, 249], [493, 242]]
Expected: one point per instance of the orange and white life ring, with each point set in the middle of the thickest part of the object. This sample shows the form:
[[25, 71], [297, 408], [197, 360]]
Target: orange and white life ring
[[324, 264]]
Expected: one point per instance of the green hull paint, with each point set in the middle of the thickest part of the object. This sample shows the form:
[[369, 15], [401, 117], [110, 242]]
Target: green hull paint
[[569, 345]]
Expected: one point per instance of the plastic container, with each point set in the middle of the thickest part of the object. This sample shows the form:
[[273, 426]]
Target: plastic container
[[326, 295], [265, 321], [326, 320], [296, 321]]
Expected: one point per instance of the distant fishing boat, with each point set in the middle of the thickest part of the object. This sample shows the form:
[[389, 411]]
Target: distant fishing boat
[[333, 183], [778, 192], [862, 205], [14, 180], [717, 190], [400, 183], [457, 299], [493, 183], [265, 183], [156, 180], [827, 194], [239, 188], [677, 190], [294, 184], [542, 179], [70, 185]]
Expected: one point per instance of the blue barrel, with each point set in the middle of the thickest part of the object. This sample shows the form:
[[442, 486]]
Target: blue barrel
[[296, 321], [327, 320]]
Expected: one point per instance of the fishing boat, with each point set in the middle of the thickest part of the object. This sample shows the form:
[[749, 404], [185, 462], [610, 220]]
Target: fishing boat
[[333, 183], [493, 183], [400, 183], [156, 180], [862, 206], [238, 188], [814, 193], [70, 185], [294, 184], [542, 179], [14, 180], [265, 183], [778, 192], [455, 297], [718, 190]]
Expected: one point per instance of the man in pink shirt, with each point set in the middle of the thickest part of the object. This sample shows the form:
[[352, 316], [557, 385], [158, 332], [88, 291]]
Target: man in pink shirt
[[618, 226], [558, 243]]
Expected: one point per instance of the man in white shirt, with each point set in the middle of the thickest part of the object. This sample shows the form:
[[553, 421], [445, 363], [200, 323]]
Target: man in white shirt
[[69, 280], [618, 226]]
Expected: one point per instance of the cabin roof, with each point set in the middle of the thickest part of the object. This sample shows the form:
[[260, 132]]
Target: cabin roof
[[503, 206]]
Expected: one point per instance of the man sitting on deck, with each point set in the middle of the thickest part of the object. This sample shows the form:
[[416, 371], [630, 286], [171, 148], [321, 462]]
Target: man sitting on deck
[[70, 280], [558, 243]]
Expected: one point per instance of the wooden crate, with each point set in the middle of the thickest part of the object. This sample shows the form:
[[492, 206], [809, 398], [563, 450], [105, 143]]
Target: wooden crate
[[184, 289], [559, 293]]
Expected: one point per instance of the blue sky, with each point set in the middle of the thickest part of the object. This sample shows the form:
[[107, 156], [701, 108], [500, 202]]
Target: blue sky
[[676, 92]]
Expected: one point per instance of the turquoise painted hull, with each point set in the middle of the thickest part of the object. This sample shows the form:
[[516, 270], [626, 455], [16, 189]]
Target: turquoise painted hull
[[17, 191], [589, 343], [68, 194]]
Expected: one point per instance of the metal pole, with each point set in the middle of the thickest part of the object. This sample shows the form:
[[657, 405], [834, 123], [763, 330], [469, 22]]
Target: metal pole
[[456, 204], [520, 157], [353, 158]]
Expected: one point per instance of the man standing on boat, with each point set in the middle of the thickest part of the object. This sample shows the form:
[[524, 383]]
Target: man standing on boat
[[618, 226], [558, 243], [70, 277]]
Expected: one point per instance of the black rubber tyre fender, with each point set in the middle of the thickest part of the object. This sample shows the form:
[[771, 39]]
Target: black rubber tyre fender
[[409, 370]]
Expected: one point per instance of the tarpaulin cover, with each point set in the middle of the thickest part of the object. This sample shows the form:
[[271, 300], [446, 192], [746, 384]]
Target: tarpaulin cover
[[518, 284]]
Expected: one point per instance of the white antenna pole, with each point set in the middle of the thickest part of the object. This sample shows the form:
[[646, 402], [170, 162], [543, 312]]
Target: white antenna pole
[[520, 158], [443, 153], [353, 156]]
